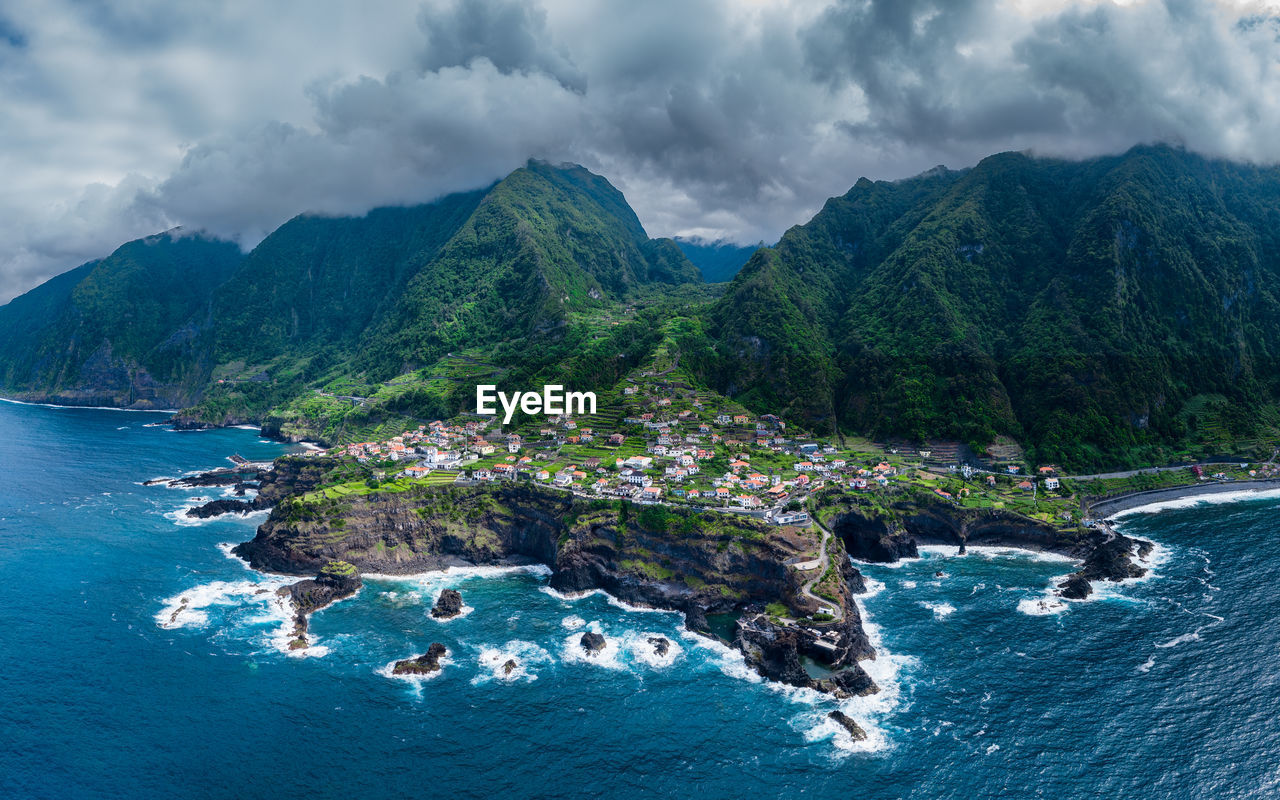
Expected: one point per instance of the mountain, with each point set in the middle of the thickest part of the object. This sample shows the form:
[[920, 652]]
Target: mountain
[[119, 331], [186, 320], [718, 261], [1111, 311]]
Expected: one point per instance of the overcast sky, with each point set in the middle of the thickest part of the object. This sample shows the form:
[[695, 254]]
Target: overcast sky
[[718, 118]]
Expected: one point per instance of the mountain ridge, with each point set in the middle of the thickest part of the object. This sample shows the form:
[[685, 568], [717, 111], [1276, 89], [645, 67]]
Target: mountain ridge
[[1115, 310]]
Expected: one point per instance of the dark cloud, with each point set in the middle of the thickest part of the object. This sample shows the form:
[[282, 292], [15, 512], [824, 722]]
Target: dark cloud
[[512, 35], [718, 118]]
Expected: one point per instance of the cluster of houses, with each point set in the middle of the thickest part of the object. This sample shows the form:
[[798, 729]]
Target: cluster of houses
[[430, 447], [680, 441]]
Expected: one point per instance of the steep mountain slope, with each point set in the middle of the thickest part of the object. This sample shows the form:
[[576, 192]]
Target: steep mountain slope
[[120, 331], [544, 242], [316, 283], [1081, 306], [352, 301]]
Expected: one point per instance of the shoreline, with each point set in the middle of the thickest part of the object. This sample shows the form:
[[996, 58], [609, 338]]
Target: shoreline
[[89, 408], [1108, 508]]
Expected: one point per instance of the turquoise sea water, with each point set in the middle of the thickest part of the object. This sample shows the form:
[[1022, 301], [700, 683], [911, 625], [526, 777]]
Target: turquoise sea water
[[1163, 688]]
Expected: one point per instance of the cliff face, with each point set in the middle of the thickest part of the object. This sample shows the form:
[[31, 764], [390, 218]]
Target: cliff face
[[648, 555], [887, 537]]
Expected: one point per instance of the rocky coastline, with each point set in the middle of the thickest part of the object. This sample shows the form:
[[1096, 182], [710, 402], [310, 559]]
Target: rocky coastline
[[650, 556], [654, 556], [1104, 553], [336, 581]]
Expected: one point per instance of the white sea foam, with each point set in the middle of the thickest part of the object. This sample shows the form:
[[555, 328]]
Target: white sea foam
[[940, 610], [189, 609], [1042, 605], [453, 574], [401, 598], [91, 408], [992, 551], [527, 655], [908, 584], [1199, 499], [572, 651], [727, 659], [573, 622], [1147, 665], [1183, 639]]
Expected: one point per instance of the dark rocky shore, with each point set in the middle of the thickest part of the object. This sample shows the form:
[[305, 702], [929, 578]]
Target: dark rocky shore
[[653, 556], [335, 581], [1104, 553]]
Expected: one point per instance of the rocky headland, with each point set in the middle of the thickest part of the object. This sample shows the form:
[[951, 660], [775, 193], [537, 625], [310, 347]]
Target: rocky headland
[[335, 581], [883, 534], [657, 556], [653, 556]]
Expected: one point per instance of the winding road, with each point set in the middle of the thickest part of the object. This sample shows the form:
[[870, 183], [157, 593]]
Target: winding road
[[823, 561]]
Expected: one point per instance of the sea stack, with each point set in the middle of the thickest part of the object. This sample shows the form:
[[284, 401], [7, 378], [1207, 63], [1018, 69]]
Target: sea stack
[[424, 664], [593, 643], [448, 605], [845, 721]]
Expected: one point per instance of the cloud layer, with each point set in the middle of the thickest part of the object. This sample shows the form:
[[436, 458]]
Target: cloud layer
[[720, 118]]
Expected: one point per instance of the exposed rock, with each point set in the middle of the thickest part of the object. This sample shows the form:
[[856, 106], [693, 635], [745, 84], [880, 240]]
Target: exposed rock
[[592, 642], [846, 722], [872, 539], [448, 605], [851, 682], [216, 508], [774, 650], [509, 667], [217, 477], [426, 663], [337, 580], [1075, 587], [660, 645]]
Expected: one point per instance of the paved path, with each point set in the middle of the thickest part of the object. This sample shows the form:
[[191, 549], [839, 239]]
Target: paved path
[[823, 560]]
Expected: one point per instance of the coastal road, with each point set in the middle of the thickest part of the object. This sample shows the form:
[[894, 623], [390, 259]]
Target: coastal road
[[823, 561]]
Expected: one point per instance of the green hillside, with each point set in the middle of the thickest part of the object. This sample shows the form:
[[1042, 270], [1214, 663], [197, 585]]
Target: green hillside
[[1076, 306], [123, 330], [530, 270]]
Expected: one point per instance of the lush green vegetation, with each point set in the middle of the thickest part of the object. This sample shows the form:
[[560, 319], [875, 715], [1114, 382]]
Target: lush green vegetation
[[1108, 312], [1111, 312]]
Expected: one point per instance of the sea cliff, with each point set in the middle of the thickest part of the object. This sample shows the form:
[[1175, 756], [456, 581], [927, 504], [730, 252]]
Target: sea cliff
[[656, 556]]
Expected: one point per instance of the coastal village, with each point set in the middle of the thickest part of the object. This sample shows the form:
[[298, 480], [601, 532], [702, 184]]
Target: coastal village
[[657, 439]]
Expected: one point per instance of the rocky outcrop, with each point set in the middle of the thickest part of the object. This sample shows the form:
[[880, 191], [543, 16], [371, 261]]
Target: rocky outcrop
[[592, 643], [1104, 553], [424, 664], [652, 556], [845, 721], [218, 477], [216, 508], [878, 540], [336, 581], [661, 646], [1110, 558], [448, 605]]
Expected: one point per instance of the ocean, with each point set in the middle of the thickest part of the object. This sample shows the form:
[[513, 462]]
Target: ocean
[[112, 686]]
